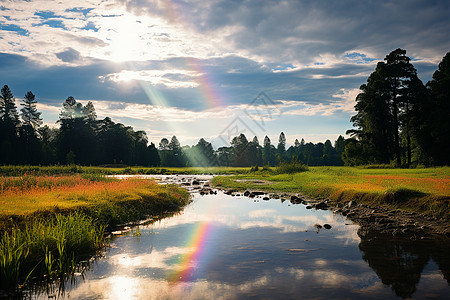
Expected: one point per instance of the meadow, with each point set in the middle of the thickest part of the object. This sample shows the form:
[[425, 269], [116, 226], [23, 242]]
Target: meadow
[[49, 223], [421, 190]]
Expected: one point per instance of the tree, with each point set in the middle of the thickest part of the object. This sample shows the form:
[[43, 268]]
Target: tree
[[434, 135], [241, 157], [225, 156], [153, 155], [202, 154], [30, 115], [401, 75], [76, 134], [385, 108], [281, 148], [163, 151], [9, 123]]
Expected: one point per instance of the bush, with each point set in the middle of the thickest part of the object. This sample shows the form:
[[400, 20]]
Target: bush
[[290, 168]]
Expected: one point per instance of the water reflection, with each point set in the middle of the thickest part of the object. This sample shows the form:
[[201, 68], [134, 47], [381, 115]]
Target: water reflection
[[400, 263], [238, 248]]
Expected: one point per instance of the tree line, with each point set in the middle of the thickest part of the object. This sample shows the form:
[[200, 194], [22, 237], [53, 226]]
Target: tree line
[[243, 152], [399, 121], [83, 139]]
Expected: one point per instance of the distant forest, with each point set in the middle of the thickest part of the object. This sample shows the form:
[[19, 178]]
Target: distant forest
[[399, 121]]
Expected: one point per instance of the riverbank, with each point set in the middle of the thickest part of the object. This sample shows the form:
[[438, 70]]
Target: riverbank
[[50, 223], [399, 202]]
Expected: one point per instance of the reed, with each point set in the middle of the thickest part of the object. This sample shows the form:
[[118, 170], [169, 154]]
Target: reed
[[47, 248]]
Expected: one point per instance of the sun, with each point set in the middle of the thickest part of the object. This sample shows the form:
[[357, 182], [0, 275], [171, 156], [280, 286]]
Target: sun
[[129, 38]]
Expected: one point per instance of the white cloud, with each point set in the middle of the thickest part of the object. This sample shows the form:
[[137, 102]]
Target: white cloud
[[182, 78]]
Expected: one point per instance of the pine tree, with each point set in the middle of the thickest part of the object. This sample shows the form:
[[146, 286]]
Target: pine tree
[[30, 115], [281, 148]]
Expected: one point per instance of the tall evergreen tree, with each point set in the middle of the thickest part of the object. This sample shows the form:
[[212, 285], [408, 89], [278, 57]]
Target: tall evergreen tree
[[29, 113], [281, 148], [9, 123], [240, 145]]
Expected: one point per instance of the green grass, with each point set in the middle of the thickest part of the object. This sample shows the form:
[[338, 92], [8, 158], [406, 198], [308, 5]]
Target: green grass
[[47, 248], [426, 190]]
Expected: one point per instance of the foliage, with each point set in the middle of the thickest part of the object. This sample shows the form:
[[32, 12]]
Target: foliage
[[290, 168], [398, 119]]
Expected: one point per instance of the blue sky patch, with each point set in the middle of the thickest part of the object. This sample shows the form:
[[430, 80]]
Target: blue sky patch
[[284, 67], [46, 14], [15, 28], [90, 26], [53, 24], [358, 56], [82, 10]]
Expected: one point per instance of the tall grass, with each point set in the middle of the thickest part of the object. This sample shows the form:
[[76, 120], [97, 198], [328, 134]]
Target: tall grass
[[50, 248]]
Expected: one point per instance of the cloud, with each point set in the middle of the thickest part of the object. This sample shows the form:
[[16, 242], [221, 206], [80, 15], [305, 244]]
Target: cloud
[[199, 55], [69, 55]]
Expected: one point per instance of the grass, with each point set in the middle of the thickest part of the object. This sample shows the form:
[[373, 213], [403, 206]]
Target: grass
[[49, 223], [47, 248], [70, 170], [425, 190]]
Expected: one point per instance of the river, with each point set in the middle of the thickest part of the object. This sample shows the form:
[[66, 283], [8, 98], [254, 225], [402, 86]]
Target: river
[[235, 247]]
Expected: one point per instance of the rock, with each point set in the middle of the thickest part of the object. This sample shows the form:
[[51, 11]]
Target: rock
[[318, 226], [322, 205], [229, 192], [246, 193], [327, 226], [266, 198], [351, 204], [195, 182], [257, 193], [251, 195], [308, 207]]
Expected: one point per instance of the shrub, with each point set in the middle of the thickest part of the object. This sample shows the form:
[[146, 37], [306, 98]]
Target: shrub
[[290, 168]]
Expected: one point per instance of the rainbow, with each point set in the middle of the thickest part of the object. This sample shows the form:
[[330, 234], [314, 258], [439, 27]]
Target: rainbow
[[205, 83], [190, 261]]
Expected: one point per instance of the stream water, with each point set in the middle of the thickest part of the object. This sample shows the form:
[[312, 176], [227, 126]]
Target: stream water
[[234, 247]]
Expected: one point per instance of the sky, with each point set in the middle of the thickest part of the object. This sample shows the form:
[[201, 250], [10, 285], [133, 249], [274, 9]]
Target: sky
[[214, 69]]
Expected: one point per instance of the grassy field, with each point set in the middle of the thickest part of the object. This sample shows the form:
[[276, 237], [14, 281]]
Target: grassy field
[[425, 190], [48, 224]]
